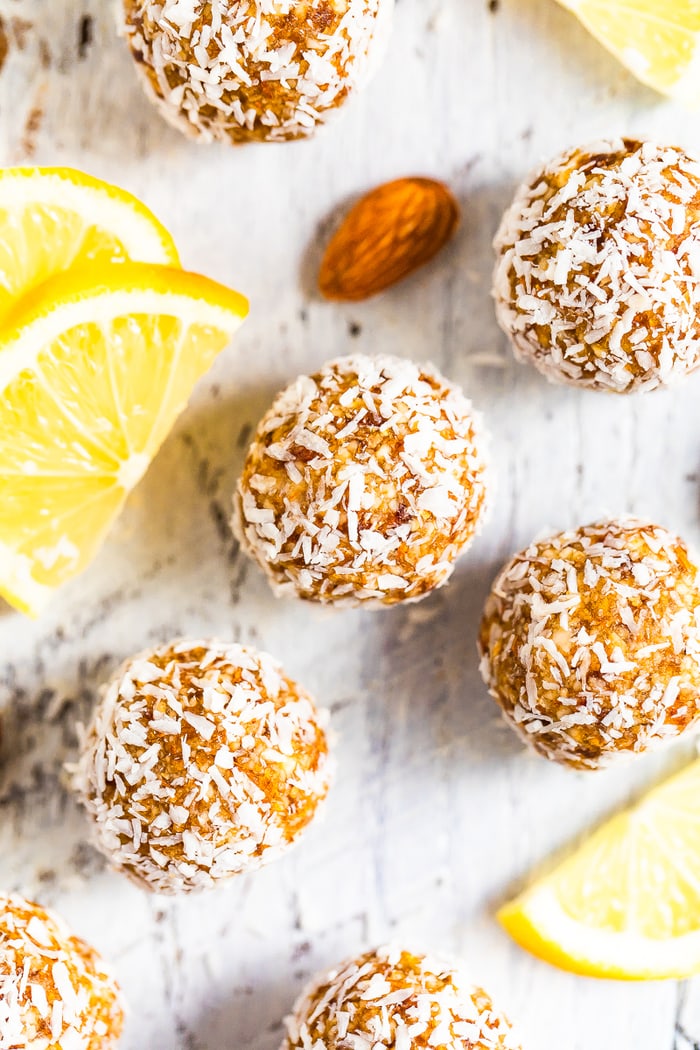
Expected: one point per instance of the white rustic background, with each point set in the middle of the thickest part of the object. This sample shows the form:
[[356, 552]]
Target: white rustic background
[[437, 813]]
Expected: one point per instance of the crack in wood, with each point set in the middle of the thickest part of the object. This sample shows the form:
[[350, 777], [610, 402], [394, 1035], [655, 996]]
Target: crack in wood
[[85, 35], [684, 1041]]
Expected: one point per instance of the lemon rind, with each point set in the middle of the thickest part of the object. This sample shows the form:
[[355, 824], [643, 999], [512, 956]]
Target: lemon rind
[[60, 303], [685, 88], [91, 295], [17, 585], [538, 923], [99, 203]]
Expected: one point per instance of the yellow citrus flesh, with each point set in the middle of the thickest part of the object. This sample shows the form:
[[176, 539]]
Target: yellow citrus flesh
[[95, 366], [55, 218], [626, 904], [657, 40]]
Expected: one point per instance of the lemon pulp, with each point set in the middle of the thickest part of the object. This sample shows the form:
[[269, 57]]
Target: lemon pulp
[[95, 366], [657, 40], [626, 904], [54, 218]]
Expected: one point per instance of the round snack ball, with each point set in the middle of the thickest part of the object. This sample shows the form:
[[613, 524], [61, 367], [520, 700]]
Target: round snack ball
[[392, 997], [203, 760], [590, 641], [363, 483], [55, 992], [246, 70], [597, 279]]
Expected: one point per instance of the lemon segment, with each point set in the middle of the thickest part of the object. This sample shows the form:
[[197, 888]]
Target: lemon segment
[[55, 218], [657, 40], [626, 904], [95, 366]]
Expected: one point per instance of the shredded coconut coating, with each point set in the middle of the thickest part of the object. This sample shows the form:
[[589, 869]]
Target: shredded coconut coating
[[590, 642], [55, 992], [597, 279], [203, 761], [255, 70], [363, 483], [394, 998]]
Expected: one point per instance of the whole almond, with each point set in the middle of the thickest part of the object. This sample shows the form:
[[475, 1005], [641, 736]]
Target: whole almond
[[389, 233]]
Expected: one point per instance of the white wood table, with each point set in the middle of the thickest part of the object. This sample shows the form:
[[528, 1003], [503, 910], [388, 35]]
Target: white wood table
[[437, 813]]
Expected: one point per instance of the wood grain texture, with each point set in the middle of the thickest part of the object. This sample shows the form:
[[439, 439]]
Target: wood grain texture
[[437, 812]]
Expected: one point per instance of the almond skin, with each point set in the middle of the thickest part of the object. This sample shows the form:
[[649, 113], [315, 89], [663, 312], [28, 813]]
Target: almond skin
[[389, 233]]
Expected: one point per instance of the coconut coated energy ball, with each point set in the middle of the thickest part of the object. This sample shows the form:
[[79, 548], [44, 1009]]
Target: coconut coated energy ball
[[394, 998], [590, 641], [363, 483], [597, 278], [254, 70], [203, 760], [55, 992]]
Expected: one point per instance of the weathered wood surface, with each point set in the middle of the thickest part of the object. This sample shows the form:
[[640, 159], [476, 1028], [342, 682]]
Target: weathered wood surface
[[437, 812]]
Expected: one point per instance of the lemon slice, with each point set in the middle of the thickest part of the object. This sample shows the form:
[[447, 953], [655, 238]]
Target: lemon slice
[[657, 40], [627, 903], [55, 218], [95, 366]]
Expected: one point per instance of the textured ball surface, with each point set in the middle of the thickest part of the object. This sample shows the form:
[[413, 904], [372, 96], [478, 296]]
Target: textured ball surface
[[254, 70], [363, 483], [55, 992], [393, 998], [597, 279], [203, 760], [590, 641]]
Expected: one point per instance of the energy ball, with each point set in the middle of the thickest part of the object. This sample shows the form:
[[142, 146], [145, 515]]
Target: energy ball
[[55, 992], [394, 998], [203, 761], [590, 642], [245, 70], [363, 483], [597, 279]]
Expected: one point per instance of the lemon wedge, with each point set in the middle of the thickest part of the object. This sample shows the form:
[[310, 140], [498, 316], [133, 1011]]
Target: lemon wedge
[[657, 40], [95, 366], [626, 904], [55, 218]]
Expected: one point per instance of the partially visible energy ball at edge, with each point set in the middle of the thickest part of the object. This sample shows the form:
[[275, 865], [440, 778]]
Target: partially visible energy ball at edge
[[597, 278], [55, 990], [244, 71], [392, 997], [363, 483], [590, 642], [203, 760]]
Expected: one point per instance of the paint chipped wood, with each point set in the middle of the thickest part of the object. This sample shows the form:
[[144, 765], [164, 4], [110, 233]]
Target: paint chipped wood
[[437, 812]]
